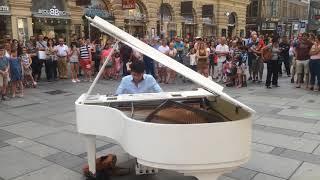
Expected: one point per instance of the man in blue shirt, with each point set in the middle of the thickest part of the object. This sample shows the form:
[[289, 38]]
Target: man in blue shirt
[[138, 82]]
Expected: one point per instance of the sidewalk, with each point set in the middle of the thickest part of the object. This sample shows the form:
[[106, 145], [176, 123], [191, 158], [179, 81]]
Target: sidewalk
[[39, 140]]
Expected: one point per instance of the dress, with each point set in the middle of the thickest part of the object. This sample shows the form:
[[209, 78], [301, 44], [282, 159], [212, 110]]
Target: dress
[[15, 69], [202, 62], [26, 64]]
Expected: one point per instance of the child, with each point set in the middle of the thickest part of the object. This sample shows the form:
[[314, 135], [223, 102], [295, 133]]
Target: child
[[15, 73], [4, 74], [74, 63], [193, 59], [230, 72], [117, 65], [241, 68], [26, 65]]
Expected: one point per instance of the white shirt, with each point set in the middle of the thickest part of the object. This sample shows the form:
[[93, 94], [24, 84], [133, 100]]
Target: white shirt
[[62, 50], [193, 59], [222, 49], [163, 49]]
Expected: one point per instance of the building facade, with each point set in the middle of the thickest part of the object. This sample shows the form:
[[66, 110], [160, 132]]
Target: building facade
[[164, 18], [281, 17], [314, 17]]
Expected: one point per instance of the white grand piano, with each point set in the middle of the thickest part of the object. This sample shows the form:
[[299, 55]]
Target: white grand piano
[[202, 133]]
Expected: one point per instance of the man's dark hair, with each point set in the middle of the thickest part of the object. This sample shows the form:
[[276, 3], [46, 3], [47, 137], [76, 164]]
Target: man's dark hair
[[137, 66]]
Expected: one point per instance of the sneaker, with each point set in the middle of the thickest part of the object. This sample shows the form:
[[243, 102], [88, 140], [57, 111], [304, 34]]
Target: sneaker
[[74, 81], [250, 78], [4, 98], [90, 80]]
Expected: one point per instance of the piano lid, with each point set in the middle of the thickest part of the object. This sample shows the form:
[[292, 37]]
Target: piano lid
[[144, 48]]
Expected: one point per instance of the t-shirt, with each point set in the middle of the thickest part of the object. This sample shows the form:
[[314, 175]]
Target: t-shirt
[[224, 49], [84, 52], [4, 63], [163, 49], [303, 49]]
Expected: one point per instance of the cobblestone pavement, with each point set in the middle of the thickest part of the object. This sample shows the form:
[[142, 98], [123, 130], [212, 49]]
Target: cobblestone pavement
[[38, 137]]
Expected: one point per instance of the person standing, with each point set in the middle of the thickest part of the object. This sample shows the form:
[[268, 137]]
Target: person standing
[[302, 60], [284, 56], [179, 46], [315, 65], [202, 57], [273, 64], [51, 62], [41, 46], [222, 50], [162, 71], [85, 59], [254, 53], [171, 74], [74, 62], [62, 54], [4, 74]]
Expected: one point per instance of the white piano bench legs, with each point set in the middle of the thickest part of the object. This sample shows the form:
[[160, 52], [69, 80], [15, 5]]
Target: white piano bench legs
[[90, 141]]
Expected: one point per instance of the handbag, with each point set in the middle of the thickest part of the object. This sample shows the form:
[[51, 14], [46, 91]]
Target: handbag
[[267, 54], [42, 54]]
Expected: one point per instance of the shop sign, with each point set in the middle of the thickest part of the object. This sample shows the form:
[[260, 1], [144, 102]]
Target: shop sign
[[92, 11], [53, 12], [272, 19], [128, 4], [134, 15], [4, 9]]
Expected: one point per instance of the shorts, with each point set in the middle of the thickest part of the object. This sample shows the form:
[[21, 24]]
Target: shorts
[[85, 64], [3, 81], [302, 66]]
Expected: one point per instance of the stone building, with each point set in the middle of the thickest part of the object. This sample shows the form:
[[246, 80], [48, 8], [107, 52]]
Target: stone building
[[167, 18], [282, 17]]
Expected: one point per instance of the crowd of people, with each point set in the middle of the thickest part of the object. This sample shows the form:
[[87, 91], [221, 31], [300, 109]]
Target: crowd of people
[[232, 61]]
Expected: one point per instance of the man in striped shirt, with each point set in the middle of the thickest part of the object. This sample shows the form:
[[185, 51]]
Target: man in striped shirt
[[85, 59]]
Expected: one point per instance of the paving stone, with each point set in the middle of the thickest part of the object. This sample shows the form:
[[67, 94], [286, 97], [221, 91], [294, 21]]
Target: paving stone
[[66, 160], [21, 142], [317, 151], [287, 124], [302, 112], [307, 171], [283, 131], [9, 119], [258, 127], [266, 100], [277, 151], [288, 142], [261, 176], [41, 150], [5, 135], [261, 147], [30, 129], [51, 123], [52, 172], [242, 174], [15, 162], [272, 165], [3, 144], [292, 118], [73, 144], [311, 136], [301, 156], [69, 117]]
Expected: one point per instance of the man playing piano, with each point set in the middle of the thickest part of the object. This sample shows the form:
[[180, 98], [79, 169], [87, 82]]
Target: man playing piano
[[138, 81]]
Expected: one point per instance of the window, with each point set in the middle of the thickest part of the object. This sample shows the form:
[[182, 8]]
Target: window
[[274, 7]]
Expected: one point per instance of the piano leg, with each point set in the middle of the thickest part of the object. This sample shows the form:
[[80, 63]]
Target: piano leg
[[90, 141]]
